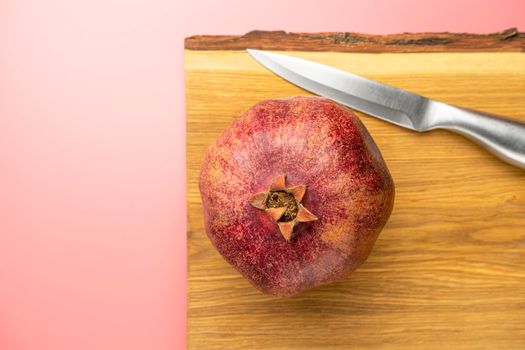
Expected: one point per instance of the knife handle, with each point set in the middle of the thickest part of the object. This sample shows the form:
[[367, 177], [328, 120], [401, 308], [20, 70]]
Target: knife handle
[[503, 137]]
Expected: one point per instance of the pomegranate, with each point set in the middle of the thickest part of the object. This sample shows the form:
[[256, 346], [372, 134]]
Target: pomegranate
[[295, 193]]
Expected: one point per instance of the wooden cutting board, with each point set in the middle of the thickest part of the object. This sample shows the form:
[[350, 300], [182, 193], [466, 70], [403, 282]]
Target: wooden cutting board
[[448, 270]]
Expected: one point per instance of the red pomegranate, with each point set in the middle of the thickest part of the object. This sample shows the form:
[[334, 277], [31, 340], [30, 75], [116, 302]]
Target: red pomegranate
[[295, 193]]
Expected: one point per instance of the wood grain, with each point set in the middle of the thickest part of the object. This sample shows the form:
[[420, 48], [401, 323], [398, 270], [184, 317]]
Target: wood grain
[[506, 40], [448, 270]]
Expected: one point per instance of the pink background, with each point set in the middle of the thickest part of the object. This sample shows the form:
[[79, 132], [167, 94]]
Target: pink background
[[92, 202]]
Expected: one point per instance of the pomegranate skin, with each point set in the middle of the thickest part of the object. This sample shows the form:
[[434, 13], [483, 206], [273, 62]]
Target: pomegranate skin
[[314, 142]]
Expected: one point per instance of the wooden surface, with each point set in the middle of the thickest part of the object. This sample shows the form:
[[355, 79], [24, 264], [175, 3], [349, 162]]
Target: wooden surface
[[448, 270], [505, 40]]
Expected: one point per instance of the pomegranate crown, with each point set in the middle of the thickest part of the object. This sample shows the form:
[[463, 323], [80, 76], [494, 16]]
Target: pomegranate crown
[[283, 205]]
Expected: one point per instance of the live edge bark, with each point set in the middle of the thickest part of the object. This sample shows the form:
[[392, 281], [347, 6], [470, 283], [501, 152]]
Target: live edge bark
[[510, 40]]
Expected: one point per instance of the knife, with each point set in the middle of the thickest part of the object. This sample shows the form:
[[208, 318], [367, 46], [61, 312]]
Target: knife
[[502, 136]]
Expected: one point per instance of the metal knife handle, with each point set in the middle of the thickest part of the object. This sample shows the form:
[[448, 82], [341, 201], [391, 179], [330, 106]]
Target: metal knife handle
[[503, 137]]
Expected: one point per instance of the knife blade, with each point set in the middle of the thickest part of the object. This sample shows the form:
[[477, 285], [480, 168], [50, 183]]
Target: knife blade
[[502, 136]]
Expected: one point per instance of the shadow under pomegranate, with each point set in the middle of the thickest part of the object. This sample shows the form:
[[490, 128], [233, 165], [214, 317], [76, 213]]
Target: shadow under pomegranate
[[295, 193]]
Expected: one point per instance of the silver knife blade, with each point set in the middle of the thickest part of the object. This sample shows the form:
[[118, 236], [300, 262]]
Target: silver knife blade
[[376, 99]]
